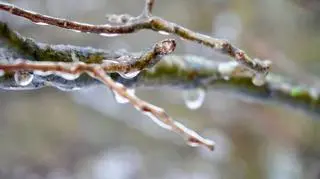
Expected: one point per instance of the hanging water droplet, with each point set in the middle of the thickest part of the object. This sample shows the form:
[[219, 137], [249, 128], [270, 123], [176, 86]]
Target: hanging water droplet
[[259, 79], [157, 121], [41, 23], [163, 32], [23, 78], [68, 76], [109, 34], [129, 75], [194, 98], [1, 73]]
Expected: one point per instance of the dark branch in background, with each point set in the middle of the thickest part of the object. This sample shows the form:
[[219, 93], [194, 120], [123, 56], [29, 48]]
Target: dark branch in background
[[127, 24], [184, 72]]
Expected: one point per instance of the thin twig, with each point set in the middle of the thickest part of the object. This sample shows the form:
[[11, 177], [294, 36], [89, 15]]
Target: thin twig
[[145, 21], [157, 114], [124, 64], [72, 71]]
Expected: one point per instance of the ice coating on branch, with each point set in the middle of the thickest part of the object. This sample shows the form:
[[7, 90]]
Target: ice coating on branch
[[120, 99], [129, 75]]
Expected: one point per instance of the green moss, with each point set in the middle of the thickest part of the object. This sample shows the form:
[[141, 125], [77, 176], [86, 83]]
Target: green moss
[[96, 58], [296, 91], [48, 54]]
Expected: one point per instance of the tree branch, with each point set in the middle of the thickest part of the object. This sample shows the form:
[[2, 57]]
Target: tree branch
[[30, 73], [184, 72], [127, 24]]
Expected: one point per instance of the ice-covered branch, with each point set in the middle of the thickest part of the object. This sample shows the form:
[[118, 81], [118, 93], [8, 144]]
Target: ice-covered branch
[[127, 24], [22, 67], [185, 71]]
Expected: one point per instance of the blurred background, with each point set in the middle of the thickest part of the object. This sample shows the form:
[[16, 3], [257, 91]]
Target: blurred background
[[51, 134]]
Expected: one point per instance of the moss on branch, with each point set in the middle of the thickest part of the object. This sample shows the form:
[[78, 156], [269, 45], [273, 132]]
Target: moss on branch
[[185, 71]]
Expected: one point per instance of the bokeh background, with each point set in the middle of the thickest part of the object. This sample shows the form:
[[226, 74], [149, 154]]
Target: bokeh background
[[51, 134]]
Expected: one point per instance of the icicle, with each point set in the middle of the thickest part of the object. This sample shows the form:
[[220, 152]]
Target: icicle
[[129, 75], [194, 98], [23, 78]]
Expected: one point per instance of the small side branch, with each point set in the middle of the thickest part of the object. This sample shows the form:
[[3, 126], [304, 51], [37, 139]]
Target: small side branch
[[69, 71], [145, 21]]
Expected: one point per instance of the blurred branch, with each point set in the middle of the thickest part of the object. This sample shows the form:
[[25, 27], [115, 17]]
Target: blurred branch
[[184, 71], [126, 24]]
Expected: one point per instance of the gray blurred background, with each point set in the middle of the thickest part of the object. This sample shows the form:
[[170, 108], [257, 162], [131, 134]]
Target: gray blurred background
[[50, 134]]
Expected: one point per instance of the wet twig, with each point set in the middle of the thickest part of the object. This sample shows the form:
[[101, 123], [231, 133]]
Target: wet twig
[[127, 24]]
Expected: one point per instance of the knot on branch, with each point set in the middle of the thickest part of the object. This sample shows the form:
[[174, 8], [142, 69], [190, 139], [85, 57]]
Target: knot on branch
[[165, 47]]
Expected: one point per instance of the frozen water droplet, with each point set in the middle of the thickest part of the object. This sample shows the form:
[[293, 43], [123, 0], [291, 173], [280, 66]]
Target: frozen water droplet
[[23, 78], [1, 73], [78, 31], [68, 76], [163, 32], [259, 79], [109, 35], [157, 121], [194, 98], [41, 23], [129, 75]]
